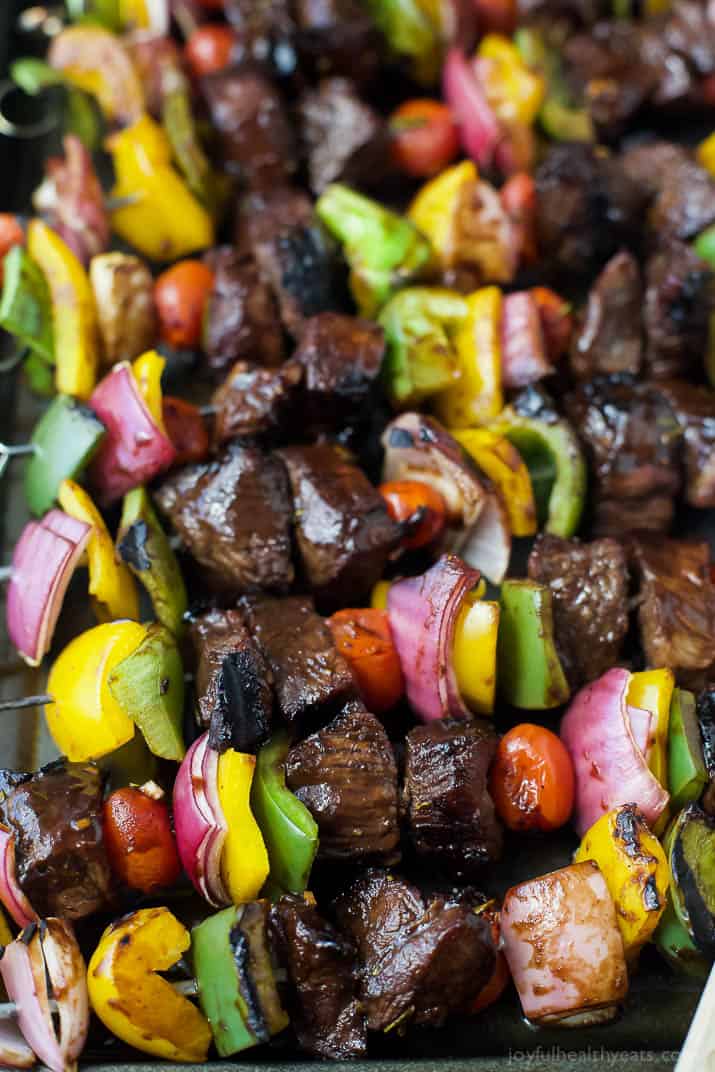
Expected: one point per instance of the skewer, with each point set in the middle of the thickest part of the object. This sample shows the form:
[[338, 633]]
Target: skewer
[[25, 702], [8, 451]]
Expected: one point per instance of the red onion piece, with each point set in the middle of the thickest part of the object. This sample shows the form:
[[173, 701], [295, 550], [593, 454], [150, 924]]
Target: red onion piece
[[45, 557], [12, 897], [478, 126], [23, 973], [523, 353], [135, 449], [488, 544], [609, 765], [561, 939], [199, 821], [68, 975], [423, 612], [14, 1051]]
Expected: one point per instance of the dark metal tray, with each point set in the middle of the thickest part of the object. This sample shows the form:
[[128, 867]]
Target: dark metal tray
[[660, 1005]]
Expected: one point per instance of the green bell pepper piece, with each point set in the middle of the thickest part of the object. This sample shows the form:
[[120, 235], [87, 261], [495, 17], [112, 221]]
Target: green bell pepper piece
[[529, 673], [704, 245], [687, 774], [142, 544], [421, 359], [690, 848], [25, 306], [65, 438], [289, 830], [559, 117], [384, 251], [675, 944], [178, 122], [410, 33], [149, 685], [33, 75]]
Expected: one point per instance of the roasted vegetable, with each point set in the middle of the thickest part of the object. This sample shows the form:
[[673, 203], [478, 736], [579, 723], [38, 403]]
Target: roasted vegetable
[[690, 844], [244, 861], [95, 60], [687, 773], [64, 439], [475, 654], [477, 396], [652, 690], [530, 675], [122, 286], [420, 326]]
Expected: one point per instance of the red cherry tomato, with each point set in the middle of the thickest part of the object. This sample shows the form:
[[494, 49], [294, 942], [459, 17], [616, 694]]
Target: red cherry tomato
[[556, 320], [532, 779], [11, 234], [425, 137], [209, 49], [419, 506], [139, 840], [363, 638], [500, 976], [518, 196], [180, 295], [186, 429]]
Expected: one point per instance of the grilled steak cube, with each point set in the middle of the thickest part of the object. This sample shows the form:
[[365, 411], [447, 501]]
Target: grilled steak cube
[[311, 679], [694, 409], [322, 973], [451, 815], [589, 591], [233, 691], [676, 314], [677, 603], [338, 37], [346, 776], [234, 516], [253, 401], [631, 439], [56, 817], [608, 333], [682, 193], [343, 529], [419, 961]]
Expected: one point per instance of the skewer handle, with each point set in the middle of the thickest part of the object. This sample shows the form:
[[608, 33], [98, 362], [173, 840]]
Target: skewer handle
[[698, 1052]]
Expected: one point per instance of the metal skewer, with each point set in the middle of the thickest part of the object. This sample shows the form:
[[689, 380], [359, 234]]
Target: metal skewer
[[25, 702], [9, 451]]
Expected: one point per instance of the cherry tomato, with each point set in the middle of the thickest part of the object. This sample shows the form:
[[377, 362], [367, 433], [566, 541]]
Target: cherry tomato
[[532, 779], [11, 234], [425, 137], [518, 196], [186, 429], [180, 295], [419, 507], [500, 976], [556, 320], [139, 840], [364, 639], [209, 49]]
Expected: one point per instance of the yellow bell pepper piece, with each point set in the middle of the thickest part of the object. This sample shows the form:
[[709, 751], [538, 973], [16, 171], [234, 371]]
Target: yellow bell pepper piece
[[477, 396], [6, 935], [133, 1001], [514, 92], [74, 314], [501, 462], [652, 690], [111, 584], [378, 597], [85, 720], [475, 654], [95, 60], [706, 154], [434, 207], [164, 221], [244, 861], [148, 370], [635, 868]]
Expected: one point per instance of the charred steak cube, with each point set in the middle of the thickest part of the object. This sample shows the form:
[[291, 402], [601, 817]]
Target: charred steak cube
[[234, 516], [343, 529], [322, 972], [253, 401], [56, 817], [347, 777], [312, 680], [233, 691], [419, 961], [338, 37], [694, 409], [676, 315], [677, 603], [451, 815], [608, 333], [589, 591], [682, 193]]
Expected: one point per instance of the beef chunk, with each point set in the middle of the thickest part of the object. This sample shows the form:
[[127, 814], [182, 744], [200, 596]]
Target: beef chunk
[[419, 960], [346, 776], [694, 409], [631, 439], [587, 208], [682, 193], [311, 679], [265, 30], [257, 143], [322, 972], [234, 516], [241, 321], [342, 357], [589, 590], [252, 401], [295, 256], [344, 140], [451, 815], [677, 603], [233, 691], [690, 31], [608, 336], [343, 529], [338, 37], [678, 302], [56, 817]]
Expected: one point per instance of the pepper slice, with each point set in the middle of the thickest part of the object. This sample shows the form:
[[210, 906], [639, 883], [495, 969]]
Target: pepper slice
[[131, 998], [475, 653], [148, 370], [419, 325], [142, 544], [529, 672], [111, 585], [477, 396], [687, 773], [652, 690], [515, 93], [289, 830], [74, 316], [501, 462], [65, 439], [675, 944], [244, 861], [25, 307]]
